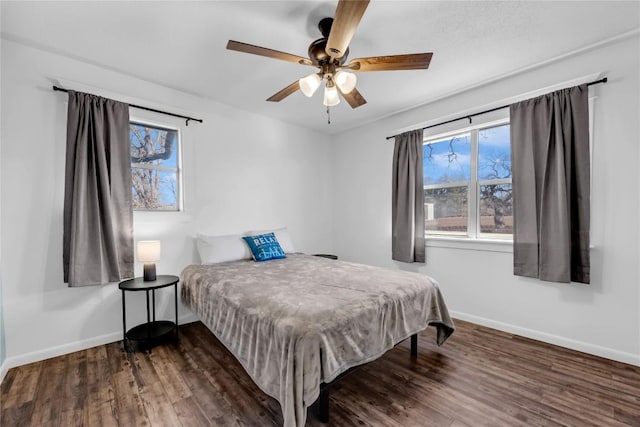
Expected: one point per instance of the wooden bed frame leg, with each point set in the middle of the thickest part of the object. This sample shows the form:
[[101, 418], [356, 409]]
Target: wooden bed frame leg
[[414, 346], [323, 414]]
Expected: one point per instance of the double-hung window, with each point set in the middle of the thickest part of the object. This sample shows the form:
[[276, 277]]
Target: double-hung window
[[155, 167], [467, 183]]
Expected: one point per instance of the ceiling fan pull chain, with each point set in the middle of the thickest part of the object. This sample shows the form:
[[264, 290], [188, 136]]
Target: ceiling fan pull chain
[[328, 116]]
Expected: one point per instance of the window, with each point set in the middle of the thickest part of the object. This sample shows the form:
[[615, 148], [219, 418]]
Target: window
[[155, 167], [467, 183]]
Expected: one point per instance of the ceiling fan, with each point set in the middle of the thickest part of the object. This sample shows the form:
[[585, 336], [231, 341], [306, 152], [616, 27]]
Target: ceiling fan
[[329, 55]]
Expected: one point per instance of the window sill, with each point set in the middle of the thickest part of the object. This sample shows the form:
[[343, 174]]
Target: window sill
[[161, 216], [464, 243]]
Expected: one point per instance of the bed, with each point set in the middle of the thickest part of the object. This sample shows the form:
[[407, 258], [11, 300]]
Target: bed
[[298, 323]]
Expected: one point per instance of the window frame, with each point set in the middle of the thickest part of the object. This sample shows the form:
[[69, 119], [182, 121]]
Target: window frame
[[178, 169], [473, 232]]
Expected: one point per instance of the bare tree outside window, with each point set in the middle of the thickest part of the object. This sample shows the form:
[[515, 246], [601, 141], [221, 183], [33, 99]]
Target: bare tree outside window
[[494, 178], [155, 169]]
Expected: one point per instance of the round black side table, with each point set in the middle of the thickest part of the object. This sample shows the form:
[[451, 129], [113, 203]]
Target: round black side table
[[154, 331]]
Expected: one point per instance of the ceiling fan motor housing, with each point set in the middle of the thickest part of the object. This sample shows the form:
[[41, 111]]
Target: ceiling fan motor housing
[[317, 49]]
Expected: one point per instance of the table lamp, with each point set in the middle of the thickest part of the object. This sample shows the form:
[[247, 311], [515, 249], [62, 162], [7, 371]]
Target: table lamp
[[149, 253]]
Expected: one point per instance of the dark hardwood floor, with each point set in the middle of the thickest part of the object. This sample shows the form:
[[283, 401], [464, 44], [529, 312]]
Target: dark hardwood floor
[[480, 377]]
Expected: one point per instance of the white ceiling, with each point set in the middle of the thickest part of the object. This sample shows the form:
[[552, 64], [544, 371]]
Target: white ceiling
[[182, 45]]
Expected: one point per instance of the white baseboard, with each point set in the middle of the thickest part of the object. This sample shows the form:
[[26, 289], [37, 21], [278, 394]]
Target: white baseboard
[[188, 319], [3, 371], [596, 350], [59, 350], [47, 353]]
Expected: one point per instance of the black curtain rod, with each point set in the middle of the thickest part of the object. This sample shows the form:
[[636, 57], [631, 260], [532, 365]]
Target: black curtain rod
[[187, 118], [468, 116]]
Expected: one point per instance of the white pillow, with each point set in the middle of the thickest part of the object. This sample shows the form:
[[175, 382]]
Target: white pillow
[[282, 235], [215, 249]]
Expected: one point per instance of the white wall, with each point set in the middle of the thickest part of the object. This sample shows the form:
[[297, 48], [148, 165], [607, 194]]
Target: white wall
[[3, 348], [241, 171], [602, 318]]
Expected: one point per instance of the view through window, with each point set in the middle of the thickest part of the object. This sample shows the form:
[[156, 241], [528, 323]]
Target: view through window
[[467, 183], [155, 167]]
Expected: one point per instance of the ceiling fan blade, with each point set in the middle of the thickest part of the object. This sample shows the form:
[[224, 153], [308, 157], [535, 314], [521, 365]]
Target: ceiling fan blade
[[285, 92], [346, 20], [353, 98], [269, 53], [414, 61]]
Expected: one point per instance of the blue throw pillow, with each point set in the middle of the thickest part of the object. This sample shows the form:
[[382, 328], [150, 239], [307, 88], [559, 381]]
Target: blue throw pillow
[[264, 247]]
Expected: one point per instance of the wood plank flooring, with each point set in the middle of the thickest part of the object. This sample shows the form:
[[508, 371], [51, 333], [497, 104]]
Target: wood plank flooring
[[480, 377]]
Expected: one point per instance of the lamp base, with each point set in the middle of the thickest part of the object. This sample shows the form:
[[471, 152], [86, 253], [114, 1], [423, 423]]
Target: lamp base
[[149, 272]]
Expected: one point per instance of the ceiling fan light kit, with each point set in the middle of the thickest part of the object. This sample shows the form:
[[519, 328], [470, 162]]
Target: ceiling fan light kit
[[329, 55], [331, 97], [309, 84], [346, 81]]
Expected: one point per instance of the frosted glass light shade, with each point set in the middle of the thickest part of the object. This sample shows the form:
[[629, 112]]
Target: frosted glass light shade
[[309, 84], [345, 81], [331, 97], [148, 251]]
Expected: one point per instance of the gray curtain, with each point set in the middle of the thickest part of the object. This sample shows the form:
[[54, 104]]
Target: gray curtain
[[98, 214], [550, 162], [407, 211]]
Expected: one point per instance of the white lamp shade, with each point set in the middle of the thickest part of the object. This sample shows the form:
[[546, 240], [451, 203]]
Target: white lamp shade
[[345, 81], [331, 97], [309, 84], [148, 250]]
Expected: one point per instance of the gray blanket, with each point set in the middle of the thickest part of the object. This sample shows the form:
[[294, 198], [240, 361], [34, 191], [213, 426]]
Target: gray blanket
[[296, 322]]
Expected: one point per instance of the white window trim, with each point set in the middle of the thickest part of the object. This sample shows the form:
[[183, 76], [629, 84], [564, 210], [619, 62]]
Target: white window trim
[[463, 242], [178, 170], [447, 185]]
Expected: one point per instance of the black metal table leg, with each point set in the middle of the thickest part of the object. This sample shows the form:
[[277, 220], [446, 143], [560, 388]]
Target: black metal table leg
[[148, 323], [124, 324], [175, 302]]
